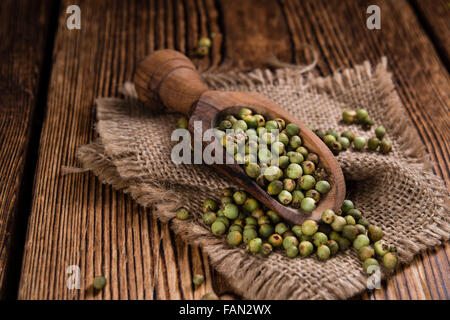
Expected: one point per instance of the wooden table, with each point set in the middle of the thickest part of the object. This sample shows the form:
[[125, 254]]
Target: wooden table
[[50, 77]]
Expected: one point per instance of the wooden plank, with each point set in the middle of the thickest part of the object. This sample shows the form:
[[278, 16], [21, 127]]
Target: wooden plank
[[23, 30], [435, 17], [338, 31]]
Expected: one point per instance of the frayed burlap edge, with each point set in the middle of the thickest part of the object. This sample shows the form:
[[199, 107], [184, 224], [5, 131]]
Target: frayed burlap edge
[[254, 286]]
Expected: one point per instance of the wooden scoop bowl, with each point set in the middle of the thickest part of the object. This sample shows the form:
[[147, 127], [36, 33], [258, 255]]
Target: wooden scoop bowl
[[170, 77]]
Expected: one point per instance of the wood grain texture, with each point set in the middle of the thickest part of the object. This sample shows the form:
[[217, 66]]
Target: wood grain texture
[[23, 31], [435, 18], [77, 221]]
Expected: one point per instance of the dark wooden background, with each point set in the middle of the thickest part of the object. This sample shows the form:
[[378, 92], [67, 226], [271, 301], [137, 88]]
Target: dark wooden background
[[50, 77]]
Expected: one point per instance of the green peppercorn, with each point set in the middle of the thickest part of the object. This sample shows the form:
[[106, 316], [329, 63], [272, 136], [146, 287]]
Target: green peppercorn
[[250, 121], [272, 125], [297, 230], [329, 139], [227, 192], [307, 182], [349, 232], [225, 125], [361, 115], [375, 233], [319, 239], [308, 167], [234, 238], [380, 131], [303, 151], [263, 220], [289, 184], [240, 220], [361, 229], [332, 132], [239, 197], [251, 221], [349, 116], [338, 223], [344, 243], [294, 171], [344, 142], [182, 214], [257, 213], [292, 129], [283, 162], [288, 233], [260, 120], [381, 248], [308, 204], [225, 200], [323, 186], [278, 148], [295, 157], [274, 217], [249, 234], [297, 197], [364, 222], [333, 245], [231, 211], [309, 227], [242, 113], [182, 123], [290, 241], [368, 123], [295, 142], [236, 227], [266, 230], [350, 220], [281, 123], [305, 248], [292, 251], [210, 205], [218, 228], [285, 197], [275, 240], [365, 253], [266, 249], [209, 217], [359, 143], [390, 261], [313, 157], [251, 205], [370, 266], [349, 135], [313, 194], [240, 125], [328, 216], [205, 42], [335, 147], [334, 236], [198, 279], [323, 252], [231, 118], [347, 205], [281, 228], [99, 282], [224, 220], [255, 245], [385, 146], [373, 143], [261, 181], [361, 241]]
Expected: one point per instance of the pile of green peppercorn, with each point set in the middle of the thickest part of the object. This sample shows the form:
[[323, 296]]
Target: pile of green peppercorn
[[273, 155], [338, 143], [243, 220]]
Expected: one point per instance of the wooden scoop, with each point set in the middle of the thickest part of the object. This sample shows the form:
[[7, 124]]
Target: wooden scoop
[[170, 77]]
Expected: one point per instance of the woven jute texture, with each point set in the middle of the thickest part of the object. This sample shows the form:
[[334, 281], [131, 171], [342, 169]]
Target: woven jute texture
[[397, 191]]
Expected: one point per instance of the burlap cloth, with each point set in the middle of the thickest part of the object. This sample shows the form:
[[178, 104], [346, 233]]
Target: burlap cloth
[[397, 191]]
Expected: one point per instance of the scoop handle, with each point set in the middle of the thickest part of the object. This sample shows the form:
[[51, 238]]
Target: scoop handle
[[169, 77]]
